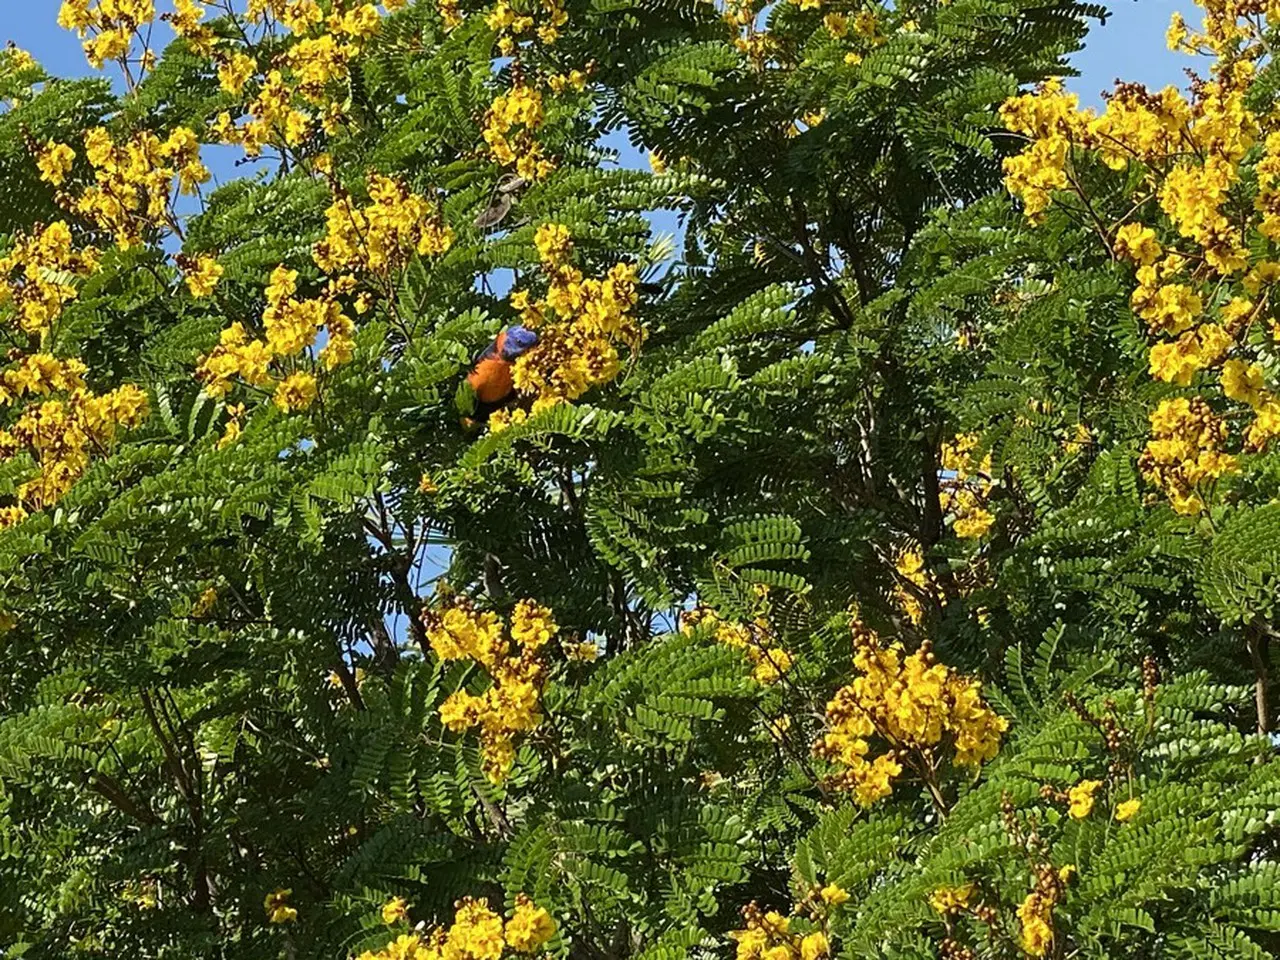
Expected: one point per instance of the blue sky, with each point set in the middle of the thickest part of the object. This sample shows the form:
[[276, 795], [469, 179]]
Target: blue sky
[[1130, 46]]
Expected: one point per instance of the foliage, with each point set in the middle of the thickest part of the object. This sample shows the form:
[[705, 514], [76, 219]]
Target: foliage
[[807, 584]]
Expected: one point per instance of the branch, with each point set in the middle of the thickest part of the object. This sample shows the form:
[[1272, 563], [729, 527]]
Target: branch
[[1259, 645], [111, 791]]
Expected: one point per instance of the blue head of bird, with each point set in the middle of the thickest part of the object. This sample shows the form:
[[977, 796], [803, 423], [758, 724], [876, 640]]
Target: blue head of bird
[[518, 341]]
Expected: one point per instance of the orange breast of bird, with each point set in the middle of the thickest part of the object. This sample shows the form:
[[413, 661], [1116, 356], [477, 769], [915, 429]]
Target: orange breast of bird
[[491, 380]]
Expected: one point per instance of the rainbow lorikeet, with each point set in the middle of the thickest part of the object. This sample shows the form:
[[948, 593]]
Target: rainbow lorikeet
[[489, 385]]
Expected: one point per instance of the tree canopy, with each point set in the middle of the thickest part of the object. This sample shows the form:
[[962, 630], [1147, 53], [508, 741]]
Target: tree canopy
[[408, 552]]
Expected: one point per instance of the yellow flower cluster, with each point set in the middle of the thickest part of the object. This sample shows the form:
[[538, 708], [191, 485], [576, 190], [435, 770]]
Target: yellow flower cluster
[[580, 322], [9, 516], [1203, 281], [866, 29], [291, 327], [106, 27], [133, 189], [510, 129], [769, 935], [1126, 810], [450, 14], [205, 603], [201, 274], [913, 704], [273, 118], [61, 433], [910, 569], [35, 275], [55, 162], [769, 662], [517, 670], [15, 60], [41, 374], [186, 23], [382, 235], [1035, 913], [1147, 128], [514, 23], [234, 428], [477, 933], [1080, 798], [1184, 455], [965, 485], [309, 81], [756, 44], [297, 391], [395, 910], [276, 905], [573, 80], [951, 900], [1243, 382]]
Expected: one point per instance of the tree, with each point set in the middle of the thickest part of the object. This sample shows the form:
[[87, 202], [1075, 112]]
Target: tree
[[813, 590]]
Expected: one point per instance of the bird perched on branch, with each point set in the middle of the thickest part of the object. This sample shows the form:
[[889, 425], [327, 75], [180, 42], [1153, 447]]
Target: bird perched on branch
[[489, 385]]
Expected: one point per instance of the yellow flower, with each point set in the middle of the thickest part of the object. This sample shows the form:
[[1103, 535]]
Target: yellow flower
[[382, 235], [55, 162], [771, 665], [910, 567], [553, 243], [532, 625], [814, 945], [10, 516], [235, 72], [504, 419], [865, 23], [1138, 243], [1184, 452], [476, 933], [1243, 381], [277, 906], [296, 392], [75, 15], [360, 22], [202, 275], [834, 895], [1036, 916], [395, 910], [1127, 810], [947, 900], [973, 523], [1080, 798], [582, 651], [512, 704], [204, 603], [530, 926]]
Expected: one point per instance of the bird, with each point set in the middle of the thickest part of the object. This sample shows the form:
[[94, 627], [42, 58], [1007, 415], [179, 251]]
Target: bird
[[501, 200], [490, 383]]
